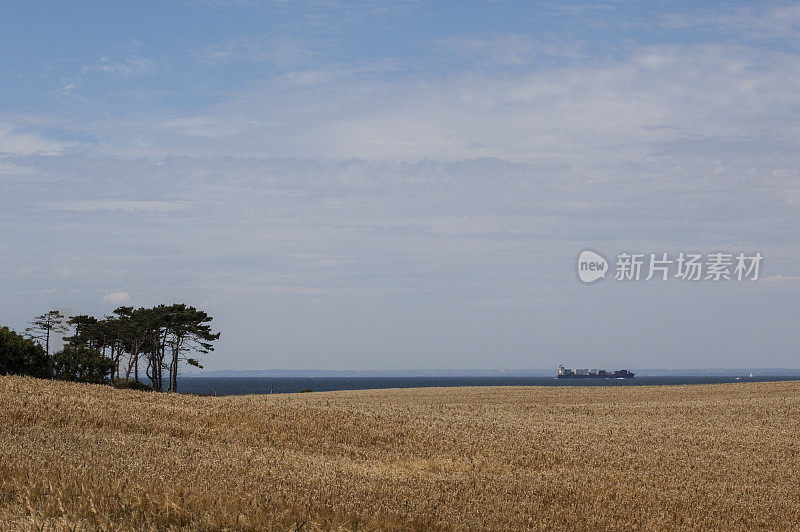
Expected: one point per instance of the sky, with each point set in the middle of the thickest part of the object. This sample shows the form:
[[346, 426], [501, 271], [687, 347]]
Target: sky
[[407, 185]]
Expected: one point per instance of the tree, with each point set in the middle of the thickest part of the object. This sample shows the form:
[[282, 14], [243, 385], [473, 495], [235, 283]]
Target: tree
[[101, 336], [42, 327], [22, 356], [82, 364], [190, 331], [133, 331], [85, 330], [162, 336], [158, 321]]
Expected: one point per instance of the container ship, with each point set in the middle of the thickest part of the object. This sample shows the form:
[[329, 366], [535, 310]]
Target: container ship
[[566, 373]]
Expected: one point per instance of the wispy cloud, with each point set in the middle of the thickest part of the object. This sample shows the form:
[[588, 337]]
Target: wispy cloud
[[129, 66], [650, 100], [13, 141], [281, 52], [112, 204], [768, 21], [509, 49]]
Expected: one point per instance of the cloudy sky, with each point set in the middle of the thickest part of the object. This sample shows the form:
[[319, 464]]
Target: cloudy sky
[[403, 185]]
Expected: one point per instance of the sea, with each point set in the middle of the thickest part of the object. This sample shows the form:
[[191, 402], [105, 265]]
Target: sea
[[264, 385]]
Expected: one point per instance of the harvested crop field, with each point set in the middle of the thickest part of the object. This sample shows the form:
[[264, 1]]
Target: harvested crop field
[[649, 458]]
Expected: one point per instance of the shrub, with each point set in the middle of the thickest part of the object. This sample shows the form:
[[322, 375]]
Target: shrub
[[132, 385], [82, 364], [21, 356]]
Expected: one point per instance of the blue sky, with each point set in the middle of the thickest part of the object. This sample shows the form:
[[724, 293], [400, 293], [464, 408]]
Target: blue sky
[[396, 185]]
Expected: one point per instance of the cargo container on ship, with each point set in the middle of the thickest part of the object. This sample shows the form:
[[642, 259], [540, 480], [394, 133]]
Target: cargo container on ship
[[567, 373]]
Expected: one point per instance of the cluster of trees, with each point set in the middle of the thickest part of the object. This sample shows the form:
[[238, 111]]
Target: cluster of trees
[[126, 348], [21, 356]]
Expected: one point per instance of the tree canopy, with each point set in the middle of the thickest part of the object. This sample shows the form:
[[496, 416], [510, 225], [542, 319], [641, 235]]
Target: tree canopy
[[147, 342], [21, 356], [43, 327], [128, 347]]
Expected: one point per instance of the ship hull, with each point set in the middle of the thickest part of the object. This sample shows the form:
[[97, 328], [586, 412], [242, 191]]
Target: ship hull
[[621, 376]]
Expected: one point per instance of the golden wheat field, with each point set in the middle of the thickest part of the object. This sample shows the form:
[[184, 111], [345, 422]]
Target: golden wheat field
[[85, 457]]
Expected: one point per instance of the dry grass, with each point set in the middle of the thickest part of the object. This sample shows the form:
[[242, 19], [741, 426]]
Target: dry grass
[[640, 458]]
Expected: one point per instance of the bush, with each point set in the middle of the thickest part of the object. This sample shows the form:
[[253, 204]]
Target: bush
[[132, 385], [22, 356], [82, 364], [306, 390]]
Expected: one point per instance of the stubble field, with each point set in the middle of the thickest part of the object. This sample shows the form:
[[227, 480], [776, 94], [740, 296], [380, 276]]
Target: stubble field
[[82, 457]]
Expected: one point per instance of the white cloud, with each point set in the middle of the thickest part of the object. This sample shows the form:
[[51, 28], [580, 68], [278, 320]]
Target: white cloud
[[508, 49], [281, 52], [117, 298], [210, 127], [127, 67], [7, 168], [764, 21], [16, 143]]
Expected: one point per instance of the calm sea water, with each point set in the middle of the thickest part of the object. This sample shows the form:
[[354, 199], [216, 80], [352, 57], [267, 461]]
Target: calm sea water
[[249, 385]]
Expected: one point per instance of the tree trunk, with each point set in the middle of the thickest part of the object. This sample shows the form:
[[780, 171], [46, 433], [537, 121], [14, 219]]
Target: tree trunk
[[111, 373], [161, 362], [149, 371], [175, 372], [173, 369]]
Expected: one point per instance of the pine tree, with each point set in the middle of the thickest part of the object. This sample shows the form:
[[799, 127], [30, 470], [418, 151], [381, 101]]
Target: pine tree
[[42, 327]]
